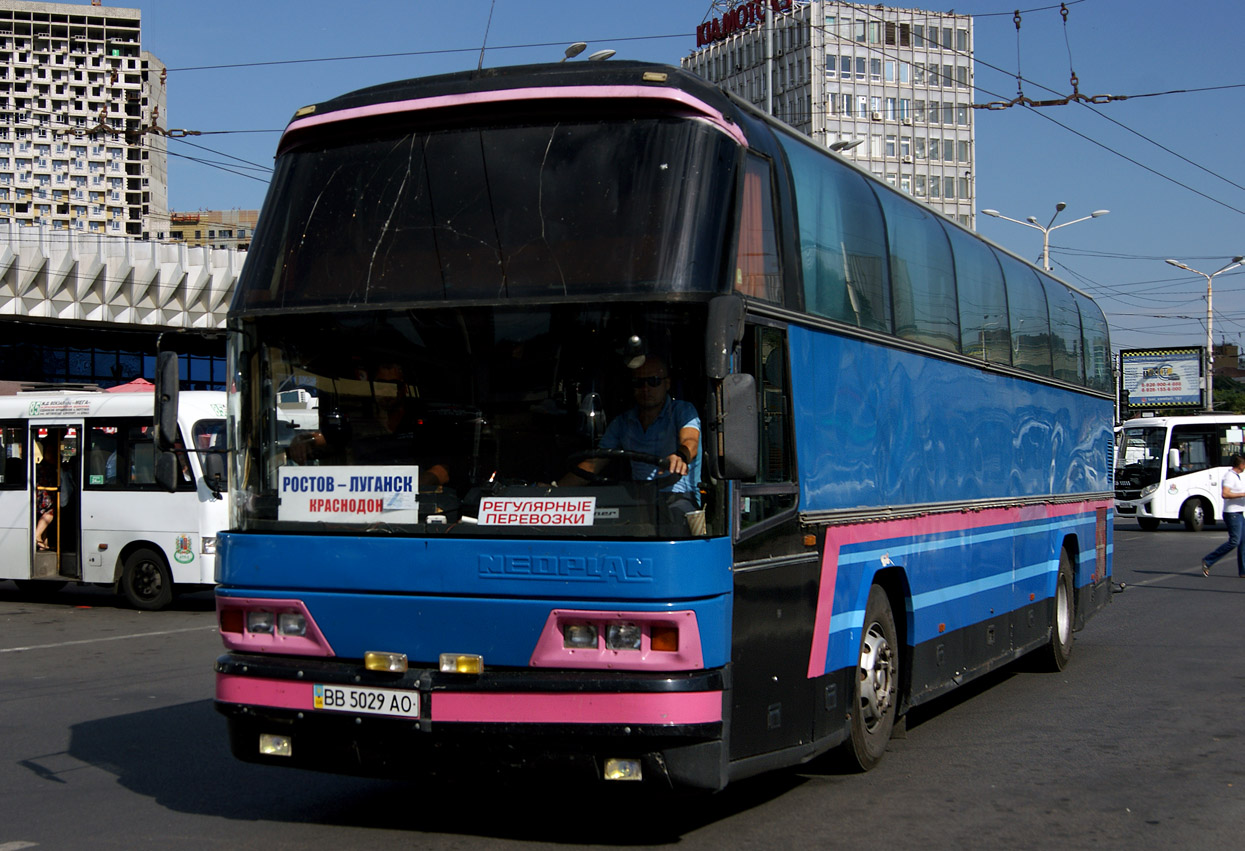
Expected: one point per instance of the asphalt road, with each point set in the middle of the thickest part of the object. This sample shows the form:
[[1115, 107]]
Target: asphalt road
[[108, 739]]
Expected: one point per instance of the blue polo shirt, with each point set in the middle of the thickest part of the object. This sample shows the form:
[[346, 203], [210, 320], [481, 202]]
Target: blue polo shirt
[[660, 439]]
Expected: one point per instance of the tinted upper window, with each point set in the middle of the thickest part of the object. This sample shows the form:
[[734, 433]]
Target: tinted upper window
[[842, 240], [611, 206]]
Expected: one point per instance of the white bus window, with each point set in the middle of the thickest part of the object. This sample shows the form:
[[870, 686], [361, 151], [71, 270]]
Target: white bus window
[[12, 450]]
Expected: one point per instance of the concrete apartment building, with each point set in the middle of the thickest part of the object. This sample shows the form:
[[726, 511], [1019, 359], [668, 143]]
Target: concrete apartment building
[[891, 89], [87, 287], [78, 99]]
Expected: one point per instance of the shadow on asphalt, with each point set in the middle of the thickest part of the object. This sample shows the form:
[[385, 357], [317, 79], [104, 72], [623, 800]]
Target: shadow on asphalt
[[100, 597], [150, 752]]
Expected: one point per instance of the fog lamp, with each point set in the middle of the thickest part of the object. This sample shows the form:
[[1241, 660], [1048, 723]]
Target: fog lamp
[[292, 623], [270, 744], [579, 635], [377, 660], [623, 769], [259, 622], [461, 663], [622, 636]]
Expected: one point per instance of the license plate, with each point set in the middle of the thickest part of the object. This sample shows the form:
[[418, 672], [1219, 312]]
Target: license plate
[[369, 701]]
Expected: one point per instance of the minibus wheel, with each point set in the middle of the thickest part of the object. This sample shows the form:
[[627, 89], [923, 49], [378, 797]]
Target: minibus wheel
[[1193, 514], [145, 580]]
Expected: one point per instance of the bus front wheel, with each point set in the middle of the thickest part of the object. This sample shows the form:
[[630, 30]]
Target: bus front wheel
[[145, 580], [875, 691], [1194, 515]]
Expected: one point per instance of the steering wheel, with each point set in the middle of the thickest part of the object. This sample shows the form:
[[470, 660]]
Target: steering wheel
[[660, 481]]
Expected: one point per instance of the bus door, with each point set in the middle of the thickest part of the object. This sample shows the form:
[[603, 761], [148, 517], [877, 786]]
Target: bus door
[[56, 504], [776, 574], [14, 501]]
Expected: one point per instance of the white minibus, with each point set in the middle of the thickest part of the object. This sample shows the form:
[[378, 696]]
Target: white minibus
[[1171, 468], [79, 499]]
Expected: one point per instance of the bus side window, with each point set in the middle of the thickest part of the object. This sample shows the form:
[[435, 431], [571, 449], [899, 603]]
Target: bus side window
[[773, 491], [757, 271], [12, 450], [1194, 449], [120, 455]]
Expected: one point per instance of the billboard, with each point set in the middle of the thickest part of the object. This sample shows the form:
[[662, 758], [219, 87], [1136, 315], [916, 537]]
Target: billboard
[[1162, 378]]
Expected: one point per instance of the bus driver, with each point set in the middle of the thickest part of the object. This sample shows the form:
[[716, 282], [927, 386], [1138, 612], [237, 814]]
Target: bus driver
[[657, 425]]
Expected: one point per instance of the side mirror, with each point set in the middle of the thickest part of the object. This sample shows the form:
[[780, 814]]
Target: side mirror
[[214, 472], [1173, 458], [168, 469], [736, 431], [723, 333], [165, 413]]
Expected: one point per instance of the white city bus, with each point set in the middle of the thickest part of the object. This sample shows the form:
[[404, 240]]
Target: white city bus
[[79, 500], [1171, 468]]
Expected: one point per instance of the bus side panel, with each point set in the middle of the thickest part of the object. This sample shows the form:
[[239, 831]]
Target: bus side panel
[[773, 704], [878, 426], [169, 522], [16, 539], [970, 579]]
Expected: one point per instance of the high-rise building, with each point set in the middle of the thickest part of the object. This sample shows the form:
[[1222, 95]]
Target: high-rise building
[[891, 89], [79, 99]]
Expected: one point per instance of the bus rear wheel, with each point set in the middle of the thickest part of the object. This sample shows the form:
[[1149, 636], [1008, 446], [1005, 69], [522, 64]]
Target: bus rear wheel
[[145, 580], [1194, 515], [875, 691], [1055, 654]]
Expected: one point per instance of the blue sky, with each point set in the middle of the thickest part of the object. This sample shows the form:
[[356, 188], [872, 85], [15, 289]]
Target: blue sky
[[1104, 156]]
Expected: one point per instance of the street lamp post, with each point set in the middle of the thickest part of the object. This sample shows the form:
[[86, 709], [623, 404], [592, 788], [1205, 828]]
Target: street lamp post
[[1210, 352], [1032, 222]]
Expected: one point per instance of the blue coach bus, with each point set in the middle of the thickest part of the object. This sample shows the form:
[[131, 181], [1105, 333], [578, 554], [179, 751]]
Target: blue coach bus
[[899, 477]]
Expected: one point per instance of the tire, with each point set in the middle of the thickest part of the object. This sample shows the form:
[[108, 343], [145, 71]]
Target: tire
[[146, 581], [875, 691], [1193, 513], [1054, 656], [1148, 524]]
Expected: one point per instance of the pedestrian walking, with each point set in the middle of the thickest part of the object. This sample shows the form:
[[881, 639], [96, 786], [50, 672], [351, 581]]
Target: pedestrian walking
[[1233, 489]]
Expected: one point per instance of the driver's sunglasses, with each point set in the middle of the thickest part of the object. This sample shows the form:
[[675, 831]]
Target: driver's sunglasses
[[651, 381]]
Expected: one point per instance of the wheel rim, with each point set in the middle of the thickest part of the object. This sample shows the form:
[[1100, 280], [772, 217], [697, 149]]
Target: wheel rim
[[877, 677], [1063, 613], [147, 583], [1198, 514]]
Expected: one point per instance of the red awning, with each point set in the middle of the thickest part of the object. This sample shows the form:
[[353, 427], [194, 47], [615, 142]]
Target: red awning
[[138, 385]]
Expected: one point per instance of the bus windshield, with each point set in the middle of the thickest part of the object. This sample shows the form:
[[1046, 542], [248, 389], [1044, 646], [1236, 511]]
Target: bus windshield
[[1140, 454], [494, 416], [507, 211]]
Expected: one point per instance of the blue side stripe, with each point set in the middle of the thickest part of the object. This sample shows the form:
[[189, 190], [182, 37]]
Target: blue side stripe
[[846, 621]]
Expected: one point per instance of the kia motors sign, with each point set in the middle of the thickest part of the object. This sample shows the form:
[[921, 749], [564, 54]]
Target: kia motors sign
[[742, 17]]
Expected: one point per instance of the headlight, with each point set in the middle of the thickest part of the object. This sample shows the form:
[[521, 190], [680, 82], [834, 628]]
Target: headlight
[[1149, 489]]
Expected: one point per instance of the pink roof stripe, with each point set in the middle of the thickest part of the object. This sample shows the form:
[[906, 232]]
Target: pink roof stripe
[[536, 93]]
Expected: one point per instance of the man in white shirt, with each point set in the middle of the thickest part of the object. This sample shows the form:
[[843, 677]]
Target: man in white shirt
[[1233, 517]]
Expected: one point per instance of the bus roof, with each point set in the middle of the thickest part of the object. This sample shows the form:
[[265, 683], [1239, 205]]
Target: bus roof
[[580, 81]]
